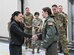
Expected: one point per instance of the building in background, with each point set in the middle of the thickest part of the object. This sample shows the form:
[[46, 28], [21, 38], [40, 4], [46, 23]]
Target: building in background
[[71, 20], [7, 7]]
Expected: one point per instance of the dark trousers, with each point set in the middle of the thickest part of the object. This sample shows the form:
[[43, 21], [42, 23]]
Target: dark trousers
[[60, 47], [52, 50], [28, 42], [15, 50]]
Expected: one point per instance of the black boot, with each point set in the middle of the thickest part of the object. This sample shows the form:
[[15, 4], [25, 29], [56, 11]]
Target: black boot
[[66, 54], [26, 43], [33, 51], [38, 50]]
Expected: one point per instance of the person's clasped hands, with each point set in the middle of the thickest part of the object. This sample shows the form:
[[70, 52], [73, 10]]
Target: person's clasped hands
[[34, 37]]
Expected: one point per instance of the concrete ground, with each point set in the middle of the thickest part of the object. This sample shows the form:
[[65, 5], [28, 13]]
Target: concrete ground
[[4, 50]]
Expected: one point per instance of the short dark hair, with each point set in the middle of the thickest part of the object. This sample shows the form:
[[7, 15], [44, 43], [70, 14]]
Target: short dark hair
[[27, 8], [47, 9], [36, 13], [54, 5], [60, 6]]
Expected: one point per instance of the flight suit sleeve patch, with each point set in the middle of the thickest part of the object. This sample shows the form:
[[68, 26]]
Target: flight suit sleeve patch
[[50, 23]]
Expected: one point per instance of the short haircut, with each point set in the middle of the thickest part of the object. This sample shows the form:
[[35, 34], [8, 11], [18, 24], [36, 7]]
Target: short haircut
[[36, 13], [27, 8], [60, 6], [54, 5]]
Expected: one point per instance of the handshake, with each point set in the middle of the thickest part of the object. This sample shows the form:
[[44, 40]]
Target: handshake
[[34, 37]]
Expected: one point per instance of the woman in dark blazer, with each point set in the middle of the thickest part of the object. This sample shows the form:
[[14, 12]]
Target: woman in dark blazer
[[17, 34]]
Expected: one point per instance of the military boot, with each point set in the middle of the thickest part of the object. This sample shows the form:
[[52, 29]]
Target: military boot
[[66, 51], [66, 54], [38, 50], [33, 51], [30, 44]]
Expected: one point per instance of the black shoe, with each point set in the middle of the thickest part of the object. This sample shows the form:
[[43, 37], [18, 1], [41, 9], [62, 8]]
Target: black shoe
[[33, 52], [38, 52], [26, 48], [30, 46], [66, 54], [60, 51]]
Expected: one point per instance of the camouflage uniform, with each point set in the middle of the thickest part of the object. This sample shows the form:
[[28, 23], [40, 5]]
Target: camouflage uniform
[[61, 24], [37, 29], [66, 18], [28, 22]]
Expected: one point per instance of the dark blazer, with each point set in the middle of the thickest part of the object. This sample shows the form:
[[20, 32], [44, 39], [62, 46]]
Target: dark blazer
[[17, 33]]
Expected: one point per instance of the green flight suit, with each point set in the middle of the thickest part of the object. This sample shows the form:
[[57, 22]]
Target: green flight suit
[[49, 37]]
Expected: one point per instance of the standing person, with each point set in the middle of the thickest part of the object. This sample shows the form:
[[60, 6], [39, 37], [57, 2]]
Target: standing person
[[61, 22], [49, 33], [17, 34], [37, 30], [61, 10], [65, 15], [28, 17]]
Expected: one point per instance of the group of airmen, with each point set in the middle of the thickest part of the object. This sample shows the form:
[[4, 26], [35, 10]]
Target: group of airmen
[[34, 25]]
